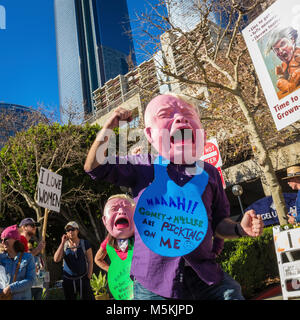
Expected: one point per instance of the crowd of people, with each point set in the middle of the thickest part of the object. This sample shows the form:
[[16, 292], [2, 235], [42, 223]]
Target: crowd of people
[[150, 274]]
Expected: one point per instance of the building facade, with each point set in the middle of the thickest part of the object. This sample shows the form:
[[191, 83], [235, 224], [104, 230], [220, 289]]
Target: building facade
[[186, 14], [132, 91], [93, 45], [15, 118], [148, 76]]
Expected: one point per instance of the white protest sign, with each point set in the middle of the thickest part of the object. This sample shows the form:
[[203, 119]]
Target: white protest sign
[[273, 43], [49, 190], [288, 242]]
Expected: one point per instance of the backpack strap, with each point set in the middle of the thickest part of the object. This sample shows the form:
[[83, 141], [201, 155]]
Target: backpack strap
[[82, 245]]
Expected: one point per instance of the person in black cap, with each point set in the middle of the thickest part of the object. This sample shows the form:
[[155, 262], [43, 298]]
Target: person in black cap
[[27, 229]]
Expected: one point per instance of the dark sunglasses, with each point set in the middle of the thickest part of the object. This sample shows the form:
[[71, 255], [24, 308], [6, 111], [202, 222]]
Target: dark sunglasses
[[31, 225], [4, 240], [70, 229]]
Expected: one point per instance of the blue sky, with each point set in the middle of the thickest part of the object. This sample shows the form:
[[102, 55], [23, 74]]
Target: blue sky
[[28, 70]]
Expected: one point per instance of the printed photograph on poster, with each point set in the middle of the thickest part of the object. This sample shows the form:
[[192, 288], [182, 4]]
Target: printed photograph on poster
[[273, 40]]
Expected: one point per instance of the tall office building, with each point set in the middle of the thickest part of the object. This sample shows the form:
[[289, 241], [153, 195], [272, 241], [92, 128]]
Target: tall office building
[[14, 118], [92, 47], [186, 14]]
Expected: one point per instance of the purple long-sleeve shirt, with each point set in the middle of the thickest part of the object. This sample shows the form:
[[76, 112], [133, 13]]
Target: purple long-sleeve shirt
[[159, 274]]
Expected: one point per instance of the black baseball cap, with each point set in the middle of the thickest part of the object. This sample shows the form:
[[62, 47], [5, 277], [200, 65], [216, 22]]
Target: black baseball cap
[[27, 221]]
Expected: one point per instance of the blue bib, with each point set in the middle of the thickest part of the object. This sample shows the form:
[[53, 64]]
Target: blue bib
[[172, 220]]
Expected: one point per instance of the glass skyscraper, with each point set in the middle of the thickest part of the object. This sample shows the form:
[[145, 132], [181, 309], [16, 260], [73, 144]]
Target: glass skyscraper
[[186, 14], [14, 118], [92, 47]]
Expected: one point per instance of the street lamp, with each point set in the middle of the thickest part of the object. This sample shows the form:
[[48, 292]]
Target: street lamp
[[237, 190]]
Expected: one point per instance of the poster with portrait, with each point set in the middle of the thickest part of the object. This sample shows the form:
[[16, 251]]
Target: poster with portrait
[[273, 40]]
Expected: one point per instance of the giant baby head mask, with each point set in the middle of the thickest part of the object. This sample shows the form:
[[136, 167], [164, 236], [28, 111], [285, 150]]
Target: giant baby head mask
[[118, 216], [173, 128]]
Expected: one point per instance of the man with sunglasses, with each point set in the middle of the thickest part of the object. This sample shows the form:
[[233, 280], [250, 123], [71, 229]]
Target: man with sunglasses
[[27, 230]]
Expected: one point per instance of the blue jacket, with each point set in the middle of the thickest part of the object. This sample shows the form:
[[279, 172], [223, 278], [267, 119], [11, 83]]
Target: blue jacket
[[21, 289]]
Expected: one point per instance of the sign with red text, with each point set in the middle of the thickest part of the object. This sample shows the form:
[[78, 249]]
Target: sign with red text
[[211, 153], [272, 41], [49, 190]]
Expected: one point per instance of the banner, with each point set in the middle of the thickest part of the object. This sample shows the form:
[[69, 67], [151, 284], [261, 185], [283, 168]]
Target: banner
[[265, 207], [273, 43]]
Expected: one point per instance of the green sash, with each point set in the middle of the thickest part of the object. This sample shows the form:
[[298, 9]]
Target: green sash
[[119, 282]]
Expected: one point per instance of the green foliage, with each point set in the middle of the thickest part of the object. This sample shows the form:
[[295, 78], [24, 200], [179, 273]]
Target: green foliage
[[63, 149], [99, 284], [250, 261]]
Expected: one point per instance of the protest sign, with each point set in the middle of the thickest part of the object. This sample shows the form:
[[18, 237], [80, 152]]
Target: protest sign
[[172, 220], [212, 155], [272, 41], [49, 190]]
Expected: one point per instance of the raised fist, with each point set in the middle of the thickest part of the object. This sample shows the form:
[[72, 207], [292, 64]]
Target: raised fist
[[119, 114]]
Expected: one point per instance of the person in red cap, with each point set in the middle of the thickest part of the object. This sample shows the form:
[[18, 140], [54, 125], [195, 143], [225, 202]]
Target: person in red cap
[[22, 277]]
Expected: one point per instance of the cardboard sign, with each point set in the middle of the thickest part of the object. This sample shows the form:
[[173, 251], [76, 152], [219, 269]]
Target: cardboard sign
[[49, 190], [172, 220], [275, 55]]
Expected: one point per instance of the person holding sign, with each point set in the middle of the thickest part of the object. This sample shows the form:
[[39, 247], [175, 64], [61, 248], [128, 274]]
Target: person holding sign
[[27, 229], [118, 220], [181, 204]]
